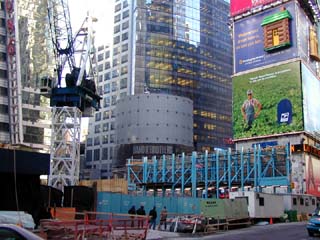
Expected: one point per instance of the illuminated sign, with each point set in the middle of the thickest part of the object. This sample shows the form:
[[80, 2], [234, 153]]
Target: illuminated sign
[[274, 102], [256, 37], [240, 6], [305, 148]]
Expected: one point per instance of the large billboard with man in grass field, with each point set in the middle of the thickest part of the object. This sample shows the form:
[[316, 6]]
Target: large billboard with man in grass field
[[268, 101]]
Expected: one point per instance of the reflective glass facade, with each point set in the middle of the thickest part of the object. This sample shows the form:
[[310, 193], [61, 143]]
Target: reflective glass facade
[[26, 56], [184, 47], [176, 47]]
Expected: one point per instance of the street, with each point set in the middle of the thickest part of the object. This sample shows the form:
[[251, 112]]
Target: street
[[284, 231]]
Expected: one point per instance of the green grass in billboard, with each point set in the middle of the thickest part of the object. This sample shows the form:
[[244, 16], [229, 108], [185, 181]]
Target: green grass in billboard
[[269, 87]]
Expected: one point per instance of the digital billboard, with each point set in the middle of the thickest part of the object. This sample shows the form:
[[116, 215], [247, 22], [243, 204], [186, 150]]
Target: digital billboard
[[240, 6], [311, 106], [312, 175], [268, 101], [249, 40]]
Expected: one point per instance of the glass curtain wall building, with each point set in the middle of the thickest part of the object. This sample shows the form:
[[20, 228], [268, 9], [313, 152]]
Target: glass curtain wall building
[[176, 47], [26, 56], [183, 47]]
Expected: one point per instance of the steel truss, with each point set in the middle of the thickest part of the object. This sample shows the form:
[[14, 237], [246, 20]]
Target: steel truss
[[256, 167], [65, 146]]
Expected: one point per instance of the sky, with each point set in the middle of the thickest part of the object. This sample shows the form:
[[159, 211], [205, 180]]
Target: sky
[[101, 9]]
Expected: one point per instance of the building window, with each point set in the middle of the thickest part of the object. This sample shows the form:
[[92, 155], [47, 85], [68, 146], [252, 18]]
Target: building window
[[123, 83], [116, 29], [124, 58], [261, 201], [117, 18], [125, 47], [4, 127], [116, 40], [301, 201], [105, 127], [106, 102], [97, 140], [89, 142], [3, 91], [106, 88], [114, 87], [98, 116], [104, 153], [104, 139], [124, 70], [97, 128], [125, 14], [96, 155], [125, 36], [100, 57], [125, 25], [89, 156], [117, 7], [107, 54], [107, 76]]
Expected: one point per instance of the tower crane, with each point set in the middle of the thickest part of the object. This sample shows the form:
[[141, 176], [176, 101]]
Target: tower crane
[[72, 91]]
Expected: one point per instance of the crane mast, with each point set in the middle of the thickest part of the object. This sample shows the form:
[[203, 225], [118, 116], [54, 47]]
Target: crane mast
[[72, 91]]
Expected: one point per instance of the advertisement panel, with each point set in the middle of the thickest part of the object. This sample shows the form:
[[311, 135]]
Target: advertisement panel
[[268, 101], [311, 108], [237, 7], [249, 42], [312, 175], [303, 34]]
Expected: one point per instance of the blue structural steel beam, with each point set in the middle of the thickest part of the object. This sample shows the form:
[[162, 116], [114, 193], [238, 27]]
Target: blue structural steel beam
[[223, 168]]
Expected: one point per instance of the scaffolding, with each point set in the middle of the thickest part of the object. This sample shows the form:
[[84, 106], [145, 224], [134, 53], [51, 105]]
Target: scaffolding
[[65, 146], [255, 167]]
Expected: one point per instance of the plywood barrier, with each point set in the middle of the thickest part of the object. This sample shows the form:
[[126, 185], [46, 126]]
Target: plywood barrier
[[63, 213], [116, 185]]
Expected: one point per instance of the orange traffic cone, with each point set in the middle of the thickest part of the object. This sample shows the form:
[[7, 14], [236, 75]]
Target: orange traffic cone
[[271, 221]]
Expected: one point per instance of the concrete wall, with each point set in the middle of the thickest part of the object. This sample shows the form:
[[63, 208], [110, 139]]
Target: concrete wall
[[154, 118]]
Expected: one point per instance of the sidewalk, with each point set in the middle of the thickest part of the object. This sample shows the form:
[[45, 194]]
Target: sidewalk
[[156, 234]]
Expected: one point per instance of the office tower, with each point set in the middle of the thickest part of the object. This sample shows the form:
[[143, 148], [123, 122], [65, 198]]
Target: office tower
[[26, 57], [176, 47]]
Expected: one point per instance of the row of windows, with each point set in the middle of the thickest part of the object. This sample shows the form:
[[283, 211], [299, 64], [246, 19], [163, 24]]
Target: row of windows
[[125, 14], [124, 37], [105, 139], [105, 153], [105, 127], [118, 6], [156, 139], [124, 26], [155, 125]]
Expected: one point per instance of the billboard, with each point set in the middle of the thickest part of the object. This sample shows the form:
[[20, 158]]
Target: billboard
[[312, 175], [237, 7], [249, 41], [268, 101], [311, 106]]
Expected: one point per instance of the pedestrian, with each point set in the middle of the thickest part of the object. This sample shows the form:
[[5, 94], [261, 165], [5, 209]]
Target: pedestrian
[[152, 218], [163, 218], [141, 212], [250, 109], [132, 211]]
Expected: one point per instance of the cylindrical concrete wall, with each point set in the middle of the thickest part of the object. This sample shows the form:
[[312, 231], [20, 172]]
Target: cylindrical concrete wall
[[154, 118]]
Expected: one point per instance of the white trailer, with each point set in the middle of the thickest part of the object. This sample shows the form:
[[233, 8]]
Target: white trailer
[[304, 204], [261, 205]]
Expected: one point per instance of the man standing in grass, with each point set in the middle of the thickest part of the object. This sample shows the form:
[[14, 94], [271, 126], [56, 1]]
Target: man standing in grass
[[250, 109]]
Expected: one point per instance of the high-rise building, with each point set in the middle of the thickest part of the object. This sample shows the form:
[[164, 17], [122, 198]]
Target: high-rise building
[[176, 47], [26, 57]]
